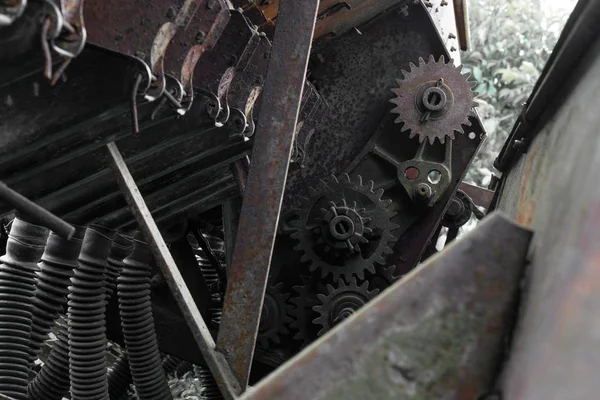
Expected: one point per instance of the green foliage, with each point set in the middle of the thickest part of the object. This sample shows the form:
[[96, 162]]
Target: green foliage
[[511, 41]]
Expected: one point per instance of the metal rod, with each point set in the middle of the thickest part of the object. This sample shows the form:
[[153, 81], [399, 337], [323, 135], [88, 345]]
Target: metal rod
[[34, 213], [264, 189], [215, 361]]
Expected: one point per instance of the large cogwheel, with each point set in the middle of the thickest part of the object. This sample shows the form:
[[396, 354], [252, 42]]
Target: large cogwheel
[[274, 317], [434, 100], [341, 302], [345, 228]]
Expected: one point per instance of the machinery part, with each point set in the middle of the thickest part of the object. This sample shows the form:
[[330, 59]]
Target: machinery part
[[302, 310], [404, 345], [384, 277], [459, 211], [425, 178], [52, 382], [175, 366], [86, 317], [137, 322], [263, 195], [434, 100], [121, 247], [274, 317], [10, 10], [341, 302], [53, 279], [35, 213], [211, 390], [360, 234], [17, 286], [119, 378]]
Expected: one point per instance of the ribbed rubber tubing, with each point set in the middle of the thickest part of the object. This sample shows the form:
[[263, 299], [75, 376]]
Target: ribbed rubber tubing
[[54, 277], [137, 322], [119, 378], [52, 382], [86, 317], [121, 248], [18, 266]]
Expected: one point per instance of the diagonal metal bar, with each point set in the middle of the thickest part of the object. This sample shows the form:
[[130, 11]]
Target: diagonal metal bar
[[439, 333], [215, 361], [266, 183]]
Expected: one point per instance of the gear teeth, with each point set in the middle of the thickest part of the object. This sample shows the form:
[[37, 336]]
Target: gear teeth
[[442, 139], [346, 178], [359, 181], [379, 193], [304, 258], [412, 66], [380, 261], [387, 250], [421, 61], [431, 58]]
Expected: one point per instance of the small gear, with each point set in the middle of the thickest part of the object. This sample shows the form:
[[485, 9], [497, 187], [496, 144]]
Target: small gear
[[303, 303], [341, 302], [275, 316], [434, 100], [384, 277], [345, 228]]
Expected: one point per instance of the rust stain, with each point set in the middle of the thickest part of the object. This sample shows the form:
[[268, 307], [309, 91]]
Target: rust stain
[[526, 202]]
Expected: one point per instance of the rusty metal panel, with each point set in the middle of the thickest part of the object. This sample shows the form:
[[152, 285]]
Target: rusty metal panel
[[436, 334], [557, 195]]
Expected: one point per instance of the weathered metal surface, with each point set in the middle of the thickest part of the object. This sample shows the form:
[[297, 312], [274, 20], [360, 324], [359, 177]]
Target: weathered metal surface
[[35, 213], [10, 10], [436, 334], [553, 189], [266, 182], [480, 196], [216, 362]]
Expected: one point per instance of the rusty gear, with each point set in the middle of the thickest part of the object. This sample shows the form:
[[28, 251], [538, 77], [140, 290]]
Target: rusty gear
[[303, 302], [275, 316], [345, 228], [341, 302], [434, 100]]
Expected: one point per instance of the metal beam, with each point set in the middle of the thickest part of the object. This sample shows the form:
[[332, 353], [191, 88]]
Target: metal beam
[[263, 194], [215, 361], [438, 333]]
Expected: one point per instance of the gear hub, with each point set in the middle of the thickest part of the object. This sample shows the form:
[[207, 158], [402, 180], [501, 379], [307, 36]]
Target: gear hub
[[341, 302], [345, 228], [434, 100]]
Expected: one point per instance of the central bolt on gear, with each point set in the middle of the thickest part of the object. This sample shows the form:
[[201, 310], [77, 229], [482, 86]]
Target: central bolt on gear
[[341, 302], [274, 317], [344, 240], [434, 100]]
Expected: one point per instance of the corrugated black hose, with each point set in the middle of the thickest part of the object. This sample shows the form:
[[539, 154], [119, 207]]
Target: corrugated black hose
[[86, 317], [18, 266], [53, 279], [137, 322], [53, 381]]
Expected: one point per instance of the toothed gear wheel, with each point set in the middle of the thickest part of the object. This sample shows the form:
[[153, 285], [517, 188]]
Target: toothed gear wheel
[[434, 100], [342, 240], [341, 302], [303, 302], [274, 317], [384, 277]]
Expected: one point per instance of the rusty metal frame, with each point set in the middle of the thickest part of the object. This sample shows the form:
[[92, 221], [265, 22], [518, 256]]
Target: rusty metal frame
[[247, 278], [215, 361], [438, 333]]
